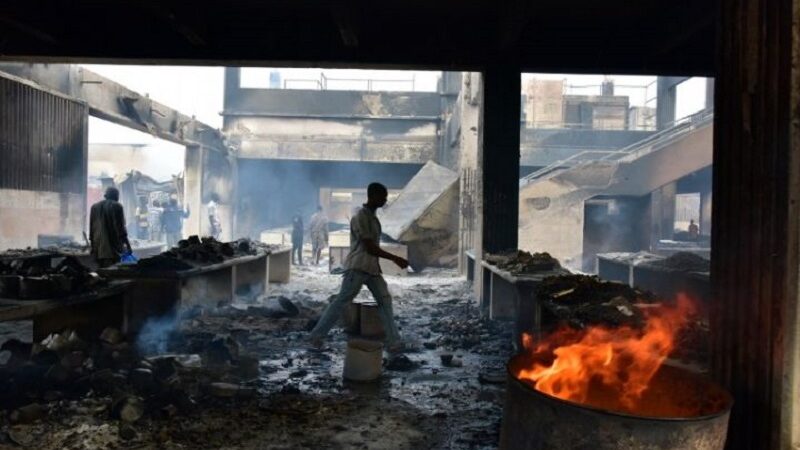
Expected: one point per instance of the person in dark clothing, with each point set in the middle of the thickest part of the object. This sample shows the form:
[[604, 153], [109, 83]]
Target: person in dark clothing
[[109, 237], [297, 239], [172, 222]]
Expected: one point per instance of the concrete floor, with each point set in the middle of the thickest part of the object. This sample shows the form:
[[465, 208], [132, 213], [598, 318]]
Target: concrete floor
[[301, 399]]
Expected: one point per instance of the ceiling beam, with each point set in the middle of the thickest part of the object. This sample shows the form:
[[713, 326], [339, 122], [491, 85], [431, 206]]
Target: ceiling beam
[[114, 102]]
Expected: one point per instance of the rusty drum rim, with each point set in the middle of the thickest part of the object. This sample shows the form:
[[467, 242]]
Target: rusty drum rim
[[567, 403]]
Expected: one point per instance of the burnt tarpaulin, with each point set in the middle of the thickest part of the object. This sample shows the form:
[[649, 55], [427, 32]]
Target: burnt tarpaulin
[[424, 217]]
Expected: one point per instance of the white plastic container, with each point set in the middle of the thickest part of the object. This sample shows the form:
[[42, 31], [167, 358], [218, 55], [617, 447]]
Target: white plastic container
[[363, 360]]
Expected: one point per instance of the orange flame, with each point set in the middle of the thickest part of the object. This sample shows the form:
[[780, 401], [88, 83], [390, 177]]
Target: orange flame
[[606, 367]]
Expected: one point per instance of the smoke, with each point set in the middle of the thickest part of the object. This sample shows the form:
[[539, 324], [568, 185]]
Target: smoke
[[155, 335], [272, 191]]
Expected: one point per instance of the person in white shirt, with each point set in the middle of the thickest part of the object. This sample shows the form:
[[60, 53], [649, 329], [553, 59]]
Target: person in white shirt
[[214, 225], [362, 268], [318, 229]]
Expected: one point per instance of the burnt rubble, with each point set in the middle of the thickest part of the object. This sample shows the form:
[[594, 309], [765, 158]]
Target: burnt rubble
[[582, 300], [196, 251], [579, 301], [239, 375], [65, 370], [522, 262], [75, 248], [681, 262], [37, 278]]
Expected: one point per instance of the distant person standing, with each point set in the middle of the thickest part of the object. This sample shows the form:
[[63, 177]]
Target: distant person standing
[[319, 234], [142, 220], [154, 217], [109, 237], [214, 225], [694, 230], [297, 240], [172, 222]]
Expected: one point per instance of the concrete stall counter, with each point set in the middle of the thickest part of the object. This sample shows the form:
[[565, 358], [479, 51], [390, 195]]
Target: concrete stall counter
[[512, 297], [280, 265], [159, 293], [88, 313]]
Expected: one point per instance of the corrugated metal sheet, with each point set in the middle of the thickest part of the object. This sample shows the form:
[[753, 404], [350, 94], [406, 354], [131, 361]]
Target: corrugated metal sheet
[[43, 139]]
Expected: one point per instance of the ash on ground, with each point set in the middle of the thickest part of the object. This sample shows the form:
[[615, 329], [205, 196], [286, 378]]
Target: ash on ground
[[242, 377]]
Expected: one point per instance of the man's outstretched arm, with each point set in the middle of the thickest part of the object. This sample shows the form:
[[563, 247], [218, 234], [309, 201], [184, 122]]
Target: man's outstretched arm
[[375, 250]]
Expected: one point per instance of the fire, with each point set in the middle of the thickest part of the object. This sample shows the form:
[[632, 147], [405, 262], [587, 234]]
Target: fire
[[605, 367]]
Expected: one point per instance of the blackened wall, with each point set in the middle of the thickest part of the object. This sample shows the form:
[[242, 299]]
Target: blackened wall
[[271, 191], [43, 140], [618, 224]]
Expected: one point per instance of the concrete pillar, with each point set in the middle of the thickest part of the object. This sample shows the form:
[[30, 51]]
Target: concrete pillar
[[500, 156], [470, 107], [710, 93], [233, 79], [705, 213], [193, 189], [230, 229], [668, 210], [665, 102]]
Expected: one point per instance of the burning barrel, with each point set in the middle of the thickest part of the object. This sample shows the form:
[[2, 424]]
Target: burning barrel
[[609, 388], [535, 420]]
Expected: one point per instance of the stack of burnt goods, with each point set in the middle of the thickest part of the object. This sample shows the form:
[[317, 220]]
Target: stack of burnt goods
[[365, 342], [196, 252], [32, 275], [522, 262]]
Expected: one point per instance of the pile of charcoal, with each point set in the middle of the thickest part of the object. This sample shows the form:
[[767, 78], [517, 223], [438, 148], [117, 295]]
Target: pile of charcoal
[[460, 326], [36, 278], [39, 379], [682, 262], [522, 262], [582, 300], [196, 251], [17, 253]]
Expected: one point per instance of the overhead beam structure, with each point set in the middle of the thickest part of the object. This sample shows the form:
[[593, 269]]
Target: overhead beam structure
[[114, 102]]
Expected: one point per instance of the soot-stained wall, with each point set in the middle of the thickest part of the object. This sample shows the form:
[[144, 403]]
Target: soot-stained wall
[[615, 224], [272, 191]]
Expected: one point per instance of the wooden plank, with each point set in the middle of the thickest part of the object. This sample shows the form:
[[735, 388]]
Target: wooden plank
[[756, 217]]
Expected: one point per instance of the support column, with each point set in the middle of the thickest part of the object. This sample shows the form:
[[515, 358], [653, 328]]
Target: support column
[[666, 94], [500, 156], [756, 239], [193, 189], [705, 212], [470, 106]]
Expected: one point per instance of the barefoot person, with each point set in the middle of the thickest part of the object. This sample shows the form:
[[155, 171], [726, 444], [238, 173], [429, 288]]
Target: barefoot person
[[361, 268]]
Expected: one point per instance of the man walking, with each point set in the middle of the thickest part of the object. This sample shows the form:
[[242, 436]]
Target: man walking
[[362, 268], [172, 222], [319, 234], [109, 237]]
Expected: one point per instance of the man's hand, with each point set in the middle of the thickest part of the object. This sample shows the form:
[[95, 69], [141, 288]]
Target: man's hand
[[401, 262]]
